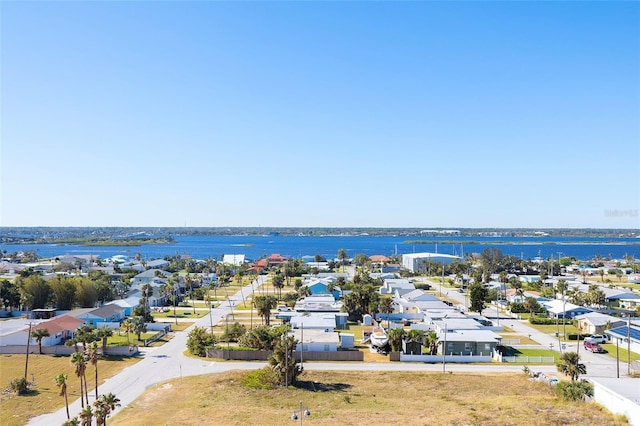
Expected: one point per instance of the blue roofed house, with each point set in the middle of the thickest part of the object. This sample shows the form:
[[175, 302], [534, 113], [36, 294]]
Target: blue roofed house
[[128, 304], [627, 335], [323, 287]]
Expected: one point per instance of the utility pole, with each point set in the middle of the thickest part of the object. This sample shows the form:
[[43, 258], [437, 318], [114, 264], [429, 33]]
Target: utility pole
[[26, 363]]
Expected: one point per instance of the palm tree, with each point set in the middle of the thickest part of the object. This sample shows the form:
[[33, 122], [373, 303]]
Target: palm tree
[[61, 382], [71, 422], [396, 336], [138, 326], [104, 406], [77, 359], [386, 307], [86, 415], [127, 326], [92, 355], [570, 365], [264, 305], [103, 333], [278, 282], [431, 342], [342, 257], [39, 334]]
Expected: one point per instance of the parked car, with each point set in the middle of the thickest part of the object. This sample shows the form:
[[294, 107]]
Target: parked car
[[593, 346], [284, 308], [597, 338]]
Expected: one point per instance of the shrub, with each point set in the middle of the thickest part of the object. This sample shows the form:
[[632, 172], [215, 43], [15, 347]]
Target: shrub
[[19, 386], [264, 378], [234, 332], [548, 321], [199, 340], [423, 286], [574, 336], [574, 391]]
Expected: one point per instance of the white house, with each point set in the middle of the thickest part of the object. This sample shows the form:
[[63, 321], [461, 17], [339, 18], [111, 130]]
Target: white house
[[314, 321], [234, 259], [417, 262], [595, 322], [316, 340]]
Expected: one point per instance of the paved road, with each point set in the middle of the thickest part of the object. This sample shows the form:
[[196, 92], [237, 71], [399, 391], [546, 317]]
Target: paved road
[[159, 364]]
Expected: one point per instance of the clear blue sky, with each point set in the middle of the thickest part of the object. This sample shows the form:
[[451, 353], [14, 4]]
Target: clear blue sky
[[394, 114]]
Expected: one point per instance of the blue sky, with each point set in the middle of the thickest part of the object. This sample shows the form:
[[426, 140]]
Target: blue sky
[[394, 114]]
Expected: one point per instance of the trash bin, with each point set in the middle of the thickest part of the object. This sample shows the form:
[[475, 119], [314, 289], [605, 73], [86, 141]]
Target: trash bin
[[556, 334]]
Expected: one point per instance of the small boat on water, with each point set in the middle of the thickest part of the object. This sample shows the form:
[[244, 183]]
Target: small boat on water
[[379, 336]]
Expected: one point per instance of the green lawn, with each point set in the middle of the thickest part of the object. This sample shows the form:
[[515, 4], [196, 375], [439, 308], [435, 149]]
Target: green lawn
[[533, 352], [121, 340], [611, 351], [181, 313], [552, 329]]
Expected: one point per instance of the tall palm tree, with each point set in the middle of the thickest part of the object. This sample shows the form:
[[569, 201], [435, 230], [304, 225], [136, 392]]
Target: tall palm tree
[[92, 356], [342, 257], [104, 406], [570, 365], [77, 359], [39, 334], [61, 382]]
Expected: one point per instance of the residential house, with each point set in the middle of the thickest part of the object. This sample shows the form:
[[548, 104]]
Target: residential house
[[596, 323], [234, 259], [16, 332], [389, 286], [322, 287], [418, 262], [128, 304], [627, 336], [469, 342], [558, 309], [314, 321], [319, 303], [150, 275], [315, 340], [158, 264], [95, 316]]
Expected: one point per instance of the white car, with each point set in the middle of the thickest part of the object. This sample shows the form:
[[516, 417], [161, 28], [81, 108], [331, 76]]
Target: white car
[[283, 308], [597, 338]]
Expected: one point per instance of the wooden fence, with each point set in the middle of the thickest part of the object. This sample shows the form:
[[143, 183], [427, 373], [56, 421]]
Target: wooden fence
[[306, 355]]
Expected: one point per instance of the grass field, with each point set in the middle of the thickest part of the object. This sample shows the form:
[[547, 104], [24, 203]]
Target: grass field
[[611, 351], [16, 410], [362, 398]]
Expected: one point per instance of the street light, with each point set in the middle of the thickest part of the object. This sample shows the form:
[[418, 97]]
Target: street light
[[302, 412]]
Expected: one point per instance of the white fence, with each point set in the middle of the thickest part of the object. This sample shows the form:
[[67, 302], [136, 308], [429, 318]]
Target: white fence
[[449, 358]]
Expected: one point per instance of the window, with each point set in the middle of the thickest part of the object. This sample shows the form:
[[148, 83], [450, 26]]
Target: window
[[326, 348], [467, 347]]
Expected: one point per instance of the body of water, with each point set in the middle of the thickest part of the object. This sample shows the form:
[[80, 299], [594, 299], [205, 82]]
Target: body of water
[[253, 247]]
